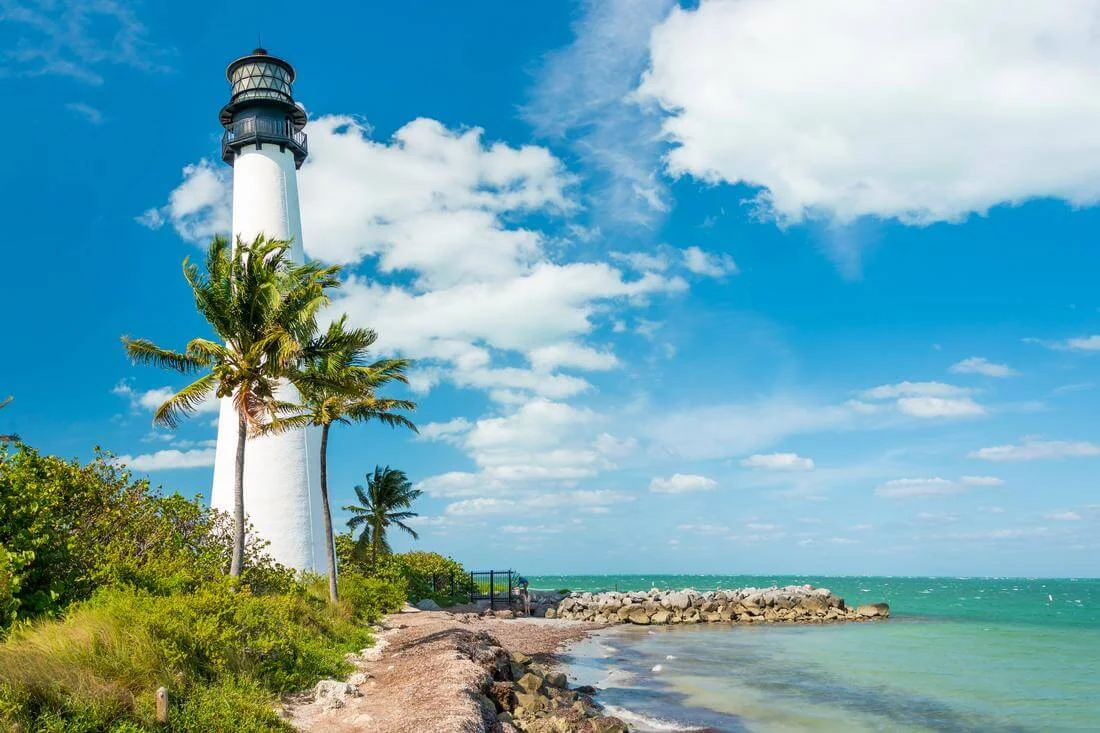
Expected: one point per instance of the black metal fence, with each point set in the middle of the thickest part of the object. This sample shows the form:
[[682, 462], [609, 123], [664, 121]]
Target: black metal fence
[[494, 586]]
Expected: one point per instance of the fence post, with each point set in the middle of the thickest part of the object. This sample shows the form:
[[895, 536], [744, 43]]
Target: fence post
[[492, 587], [162, 704], [473, 588], [509, 588]]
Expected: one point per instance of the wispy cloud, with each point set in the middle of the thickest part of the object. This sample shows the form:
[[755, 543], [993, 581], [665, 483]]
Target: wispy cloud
[[86, 112], [779, 462], [1078, 343], [76, 38], [981, 365], [583, 96], [904, 488], [1034, 450]]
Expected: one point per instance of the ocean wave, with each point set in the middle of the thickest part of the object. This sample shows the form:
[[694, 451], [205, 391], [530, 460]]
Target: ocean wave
[[616, 678], [645, 722]]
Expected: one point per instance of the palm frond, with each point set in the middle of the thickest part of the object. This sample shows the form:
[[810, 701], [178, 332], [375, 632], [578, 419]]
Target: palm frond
[[186, 401], [144, 351]]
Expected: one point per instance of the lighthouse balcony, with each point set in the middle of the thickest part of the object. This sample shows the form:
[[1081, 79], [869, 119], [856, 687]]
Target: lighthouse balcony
[[261, 130]]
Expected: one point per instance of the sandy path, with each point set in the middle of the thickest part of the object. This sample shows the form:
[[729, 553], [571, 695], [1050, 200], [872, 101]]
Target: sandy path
[[423, 682]]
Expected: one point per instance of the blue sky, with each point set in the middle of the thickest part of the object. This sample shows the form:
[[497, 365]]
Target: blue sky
[[738, 286]]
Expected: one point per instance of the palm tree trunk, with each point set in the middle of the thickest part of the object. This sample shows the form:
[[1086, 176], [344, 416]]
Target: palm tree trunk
[[236, 564], [330, 547]]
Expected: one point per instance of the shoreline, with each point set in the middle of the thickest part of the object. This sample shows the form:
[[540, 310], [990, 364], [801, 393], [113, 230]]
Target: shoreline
[[482, 672]]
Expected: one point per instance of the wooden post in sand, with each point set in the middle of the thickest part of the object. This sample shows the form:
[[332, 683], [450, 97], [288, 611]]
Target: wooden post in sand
[[162, 705]]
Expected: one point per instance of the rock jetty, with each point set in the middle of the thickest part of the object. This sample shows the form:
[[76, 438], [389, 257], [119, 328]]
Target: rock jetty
[[791, 604]]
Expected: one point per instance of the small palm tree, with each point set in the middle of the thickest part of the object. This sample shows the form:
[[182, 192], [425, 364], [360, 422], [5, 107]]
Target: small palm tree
[[337, 386], [387, 492], [262, 308]]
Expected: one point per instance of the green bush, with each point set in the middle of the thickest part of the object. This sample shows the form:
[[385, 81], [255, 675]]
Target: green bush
[[67, 529], [222, 654], [371, 598], [421, 568], [414, 570]]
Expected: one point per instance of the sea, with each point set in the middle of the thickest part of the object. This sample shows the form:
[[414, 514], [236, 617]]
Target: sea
[[956, 654]]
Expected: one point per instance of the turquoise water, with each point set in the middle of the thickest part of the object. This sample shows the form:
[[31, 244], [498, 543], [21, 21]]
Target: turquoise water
[[957, 654]]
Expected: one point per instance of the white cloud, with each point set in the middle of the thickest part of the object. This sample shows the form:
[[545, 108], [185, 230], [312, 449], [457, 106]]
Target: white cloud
[[572, 500], [928, 399], [904, 488], [680, 483], [446, 431], [940, 407], [163, 460], [710, 265], [913, 389], [430, 201], [1033, 450], [1080, 343], [922, 111], [1084, 343], [199, 207], [779, 462], [981, 365], [643, 261], [1063, 516], [570, 354], [541, 313]]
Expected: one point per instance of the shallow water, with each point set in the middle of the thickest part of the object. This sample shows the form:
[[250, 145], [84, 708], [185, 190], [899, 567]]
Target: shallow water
[[956, 655]]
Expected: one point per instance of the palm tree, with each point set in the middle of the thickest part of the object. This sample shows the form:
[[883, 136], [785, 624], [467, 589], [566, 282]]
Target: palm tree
[[388, 491], [337, 386], [262, 308], [7, 438]]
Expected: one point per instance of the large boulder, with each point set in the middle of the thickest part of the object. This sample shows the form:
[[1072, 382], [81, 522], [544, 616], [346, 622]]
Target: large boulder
[[427, 604], [332, 693], [874, 610], [679, 601]]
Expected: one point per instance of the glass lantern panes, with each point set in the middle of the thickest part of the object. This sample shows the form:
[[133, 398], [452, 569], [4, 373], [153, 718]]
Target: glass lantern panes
[[261, 80]]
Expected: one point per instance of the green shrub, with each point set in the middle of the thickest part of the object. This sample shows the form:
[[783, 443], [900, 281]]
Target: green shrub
[[215, 650], [370, 598], [67, 529]]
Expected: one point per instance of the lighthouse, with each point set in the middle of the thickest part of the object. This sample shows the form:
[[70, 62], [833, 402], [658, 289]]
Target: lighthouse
[[265, 144]]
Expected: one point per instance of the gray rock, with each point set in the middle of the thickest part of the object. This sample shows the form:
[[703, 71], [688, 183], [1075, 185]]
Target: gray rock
[[427, 604]]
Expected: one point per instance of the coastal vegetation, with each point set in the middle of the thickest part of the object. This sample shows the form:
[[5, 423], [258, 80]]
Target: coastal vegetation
[[111, 588]]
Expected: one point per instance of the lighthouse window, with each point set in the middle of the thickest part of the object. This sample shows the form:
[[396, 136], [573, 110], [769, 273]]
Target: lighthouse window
[[261, 79]]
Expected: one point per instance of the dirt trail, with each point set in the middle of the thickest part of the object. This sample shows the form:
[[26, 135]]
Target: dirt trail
[[422, 682]]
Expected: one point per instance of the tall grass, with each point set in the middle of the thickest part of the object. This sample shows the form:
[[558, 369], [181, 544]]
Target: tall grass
[[223, 655]]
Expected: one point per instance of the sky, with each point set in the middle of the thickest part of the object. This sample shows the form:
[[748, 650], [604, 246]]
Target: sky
[[730, 286]]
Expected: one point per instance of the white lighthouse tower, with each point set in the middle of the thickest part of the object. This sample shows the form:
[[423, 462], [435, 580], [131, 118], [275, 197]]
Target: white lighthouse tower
[[264, 143]]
